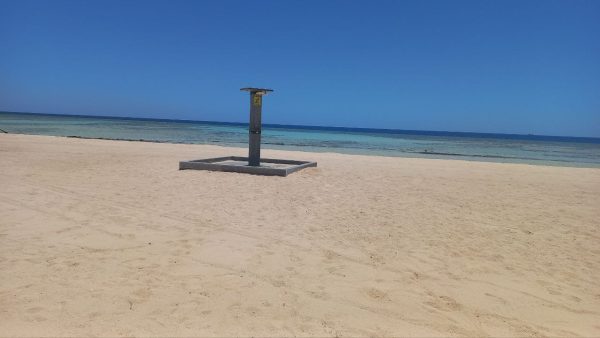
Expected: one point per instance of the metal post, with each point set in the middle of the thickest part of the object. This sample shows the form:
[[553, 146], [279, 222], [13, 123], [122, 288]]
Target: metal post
[[255, 126], [254, 129]]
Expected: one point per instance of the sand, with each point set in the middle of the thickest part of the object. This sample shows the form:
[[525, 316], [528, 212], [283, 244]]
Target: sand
[[109, 238]]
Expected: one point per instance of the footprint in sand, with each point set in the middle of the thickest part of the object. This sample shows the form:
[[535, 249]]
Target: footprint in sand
[[377, 294], [444, 303], [35, 309], [39, 319], [252, 311]]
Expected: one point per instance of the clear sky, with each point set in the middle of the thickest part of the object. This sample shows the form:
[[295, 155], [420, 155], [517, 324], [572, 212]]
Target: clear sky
[[482, 66]]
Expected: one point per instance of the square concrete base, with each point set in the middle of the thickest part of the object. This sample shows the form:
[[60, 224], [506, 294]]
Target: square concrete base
[[268, 166]]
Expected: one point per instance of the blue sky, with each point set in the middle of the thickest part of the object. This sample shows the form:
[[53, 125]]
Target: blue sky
[[481, 66]]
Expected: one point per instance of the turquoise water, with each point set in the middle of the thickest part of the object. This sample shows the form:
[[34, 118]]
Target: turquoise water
[[547, 150]]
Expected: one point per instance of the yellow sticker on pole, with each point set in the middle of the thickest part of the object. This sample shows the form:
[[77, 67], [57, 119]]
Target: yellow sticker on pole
[[257, 100]]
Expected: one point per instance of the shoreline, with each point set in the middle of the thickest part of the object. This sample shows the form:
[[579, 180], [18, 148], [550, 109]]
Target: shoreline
[[109, 238], [428, 155]]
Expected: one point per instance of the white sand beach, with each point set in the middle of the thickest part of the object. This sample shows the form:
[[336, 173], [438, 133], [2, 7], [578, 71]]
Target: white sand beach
[[109, 238]]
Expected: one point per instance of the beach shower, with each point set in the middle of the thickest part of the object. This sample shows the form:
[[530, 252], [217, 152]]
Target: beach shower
[[253, 164], [255, 126]]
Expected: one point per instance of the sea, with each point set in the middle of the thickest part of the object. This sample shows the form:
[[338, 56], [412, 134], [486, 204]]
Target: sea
[[510, 148]]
